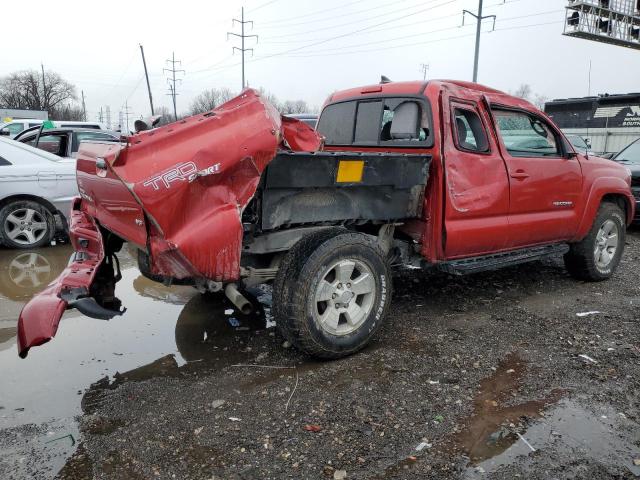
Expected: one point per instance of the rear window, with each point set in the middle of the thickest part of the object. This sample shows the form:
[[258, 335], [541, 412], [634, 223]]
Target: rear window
[[336, 123], [370, 122]]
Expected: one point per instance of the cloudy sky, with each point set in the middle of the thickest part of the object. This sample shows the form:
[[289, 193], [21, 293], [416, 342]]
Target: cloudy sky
[[306, 49]]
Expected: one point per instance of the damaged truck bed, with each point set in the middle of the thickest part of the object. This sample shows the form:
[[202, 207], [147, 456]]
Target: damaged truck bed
[[443, 174]]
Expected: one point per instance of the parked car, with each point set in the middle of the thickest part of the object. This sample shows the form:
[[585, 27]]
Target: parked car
[[65, 141], [36, 189], [580, 144], [310, 119], [14, 127], [630, 158], [446, 175]]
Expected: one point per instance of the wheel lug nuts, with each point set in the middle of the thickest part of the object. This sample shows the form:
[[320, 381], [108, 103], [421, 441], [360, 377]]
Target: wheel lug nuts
[[334, 296], [339, 285], [337, 306], [348, 285]]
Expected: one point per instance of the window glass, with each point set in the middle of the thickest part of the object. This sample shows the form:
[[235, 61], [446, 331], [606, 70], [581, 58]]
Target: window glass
[[368, 122], [4, 162], [87, 136], [470, 133], [13, 129], [29, 140], [525, 135], [336, 123], [80, 125], [56, 144], [390, 107], [631, 154], [34, 125]]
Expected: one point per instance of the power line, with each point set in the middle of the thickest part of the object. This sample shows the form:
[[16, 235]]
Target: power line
[[311, 14], [242, 36], [172, 81], [262, 6], [332, 18], [424, 68]]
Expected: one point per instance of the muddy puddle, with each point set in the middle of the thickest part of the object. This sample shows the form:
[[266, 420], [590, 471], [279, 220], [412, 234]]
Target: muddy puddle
[[503, 431], [41, 395]]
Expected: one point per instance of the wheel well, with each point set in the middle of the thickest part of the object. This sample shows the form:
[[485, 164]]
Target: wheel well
[[32, 198], [619, 200]]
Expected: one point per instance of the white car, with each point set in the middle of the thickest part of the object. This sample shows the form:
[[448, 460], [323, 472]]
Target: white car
[[14, 127], [36, 190]]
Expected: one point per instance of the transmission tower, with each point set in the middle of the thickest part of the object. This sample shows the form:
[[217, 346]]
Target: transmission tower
[[424, 68], [108, 117], [172, 80], [479, 18], [242, 36]]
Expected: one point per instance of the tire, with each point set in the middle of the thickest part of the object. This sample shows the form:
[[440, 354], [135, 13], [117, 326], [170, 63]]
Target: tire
[[26, 224], [597, 256], [332, 293]]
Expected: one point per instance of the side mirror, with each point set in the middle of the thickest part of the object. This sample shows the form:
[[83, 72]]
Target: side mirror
[[588, 142], [146, 124], [5, 133]]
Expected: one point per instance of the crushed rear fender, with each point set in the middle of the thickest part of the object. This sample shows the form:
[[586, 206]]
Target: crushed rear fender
[[39, 319], [193, 179]]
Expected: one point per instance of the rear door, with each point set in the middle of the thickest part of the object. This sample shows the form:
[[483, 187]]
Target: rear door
[[476, 183], [545, 182]]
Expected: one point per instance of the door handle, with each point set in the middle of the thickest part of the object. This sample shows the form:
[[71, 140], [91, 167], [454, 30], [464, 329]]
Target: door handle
[[101, 164], [520, 174]]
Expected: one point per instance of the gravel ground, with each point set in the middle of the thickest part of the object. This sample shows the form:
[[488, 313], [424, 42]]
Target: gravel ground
[[471, 377]]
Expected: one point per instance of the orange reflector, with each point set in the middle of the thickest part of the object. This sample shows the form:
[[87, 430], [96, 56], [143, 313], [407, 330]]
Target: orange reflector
[[350, 171]]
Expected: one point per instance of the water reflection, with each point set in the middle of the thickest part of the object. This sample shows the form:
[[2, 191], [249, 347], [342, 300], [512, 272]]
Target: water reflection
[[165, 331]]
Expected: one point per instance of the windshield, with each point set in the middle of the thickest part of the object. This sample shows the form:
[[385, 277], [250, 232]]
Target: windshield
[[578, 142], [631, 154]]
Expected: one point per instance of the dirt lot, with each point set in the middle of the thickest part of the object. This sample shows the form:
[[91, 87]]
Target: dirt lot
[[487, 376]]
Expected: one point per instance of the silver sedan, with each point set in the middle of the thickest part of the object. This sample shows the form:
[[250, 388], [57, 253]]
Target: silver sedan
[[36, 189]]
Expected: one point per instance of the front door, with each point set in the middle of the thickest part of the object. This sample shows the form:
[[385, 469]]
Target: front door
[[545, 181], [476, 183]]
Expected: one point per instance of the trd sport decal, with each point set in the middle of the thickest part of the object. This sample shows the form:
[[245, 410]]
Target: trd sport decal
[[182, 172]]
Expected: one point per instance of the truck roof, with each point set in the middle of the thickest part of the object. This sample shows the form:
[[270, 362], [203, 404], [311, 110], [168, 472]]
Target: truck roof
[[419, 87], [411, 87]]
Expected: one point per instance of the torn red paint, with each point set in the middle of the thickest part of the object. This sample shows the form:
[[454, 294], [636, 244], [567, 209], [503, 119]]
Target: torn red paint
[[39, 319]]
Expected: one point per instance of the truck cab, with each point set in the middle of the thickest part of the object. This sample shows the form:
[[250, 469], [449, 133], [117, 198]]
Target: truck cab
[[443, 175]]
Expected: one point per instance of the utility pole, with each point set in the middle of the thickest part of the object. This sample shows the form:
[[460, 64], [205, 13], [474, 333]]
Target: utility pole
[[100, 118], [44, 88], [84, 108], [108, 117], [172, 81], [424, 67], [125, 113], [479, 18], [144, 64], [242, 36]]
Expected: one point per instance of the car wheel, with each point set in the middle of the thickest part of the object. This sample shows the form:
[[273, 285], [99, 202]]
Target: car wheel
[[332, 293], [26, 224], [597, 256]]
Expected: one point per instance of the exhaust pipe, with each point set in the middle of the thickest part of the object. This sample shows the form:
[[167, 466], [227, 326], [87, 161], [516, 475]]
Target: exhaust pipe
[[239, 300]]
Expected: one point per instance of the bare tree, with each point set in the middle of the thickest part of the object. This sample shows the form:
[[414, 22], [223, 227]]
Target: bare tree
[[25, 90], [294, 106], [523, 91], [540, 101], [271, 98], [165, 113], [210, 99]]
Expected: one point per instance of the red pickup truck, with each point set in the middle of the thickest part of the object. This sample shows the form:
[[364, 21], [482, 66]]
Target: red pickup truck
[[443, 174]]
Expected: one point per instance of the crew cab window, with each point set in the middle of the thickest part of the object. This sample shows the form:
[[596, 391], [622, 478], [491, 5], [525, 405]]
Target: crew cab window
[[389, 121], [526, 135], [469, 132]]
